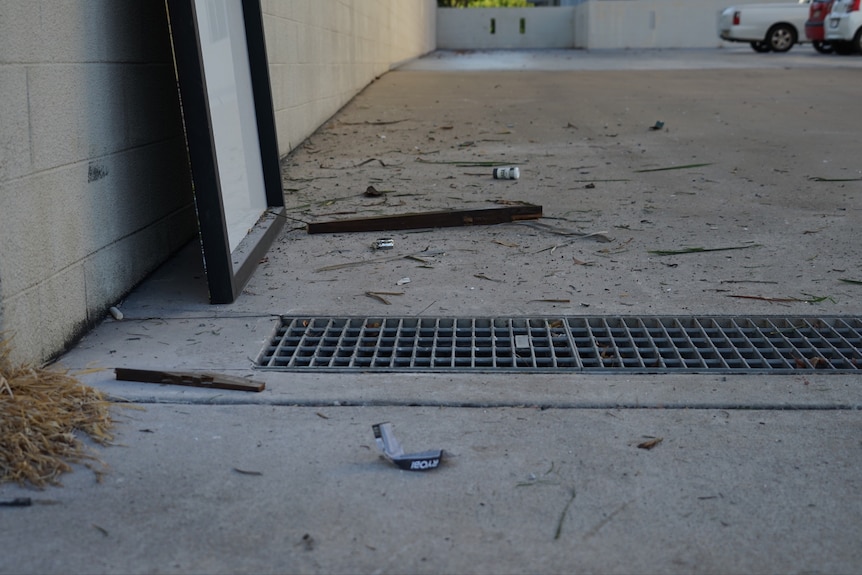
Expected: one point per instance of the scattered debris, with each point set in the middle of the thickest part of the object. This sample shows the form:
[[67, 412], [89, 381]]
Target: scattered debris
[[484, 277], [402, 281], [811, 299], [115, 313], [590, 186], [17, 502], [650, 443], [375, 123], [383, 244], [819, 179], [369, 160], [192, 379], [414, 256], [849, 281], [246, 471], [441, 219], [378, 295], [565, 512], [606, 520], [550, 300], [371, 192], [463, 164], [504, 202], [657, 126], [685, 167], [307, 542], [600, 236], [100, 529], [700, 250], [393, 451]]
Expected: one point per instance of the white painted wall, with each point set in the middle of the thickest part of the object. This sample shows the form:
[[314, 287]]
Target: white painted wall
[[500, 28], [95, 190], [650, 23], [323, 52], [591, 24]]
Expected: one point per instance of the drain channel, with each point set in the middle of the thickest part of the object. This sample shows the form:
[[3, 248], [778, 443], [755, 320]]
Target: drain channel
[[574, 344]]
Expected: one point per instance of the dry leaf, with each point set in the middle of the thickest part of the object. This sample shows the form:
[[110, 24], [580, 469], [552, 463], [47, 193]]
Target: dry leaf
[[650, 443], [506, 244]]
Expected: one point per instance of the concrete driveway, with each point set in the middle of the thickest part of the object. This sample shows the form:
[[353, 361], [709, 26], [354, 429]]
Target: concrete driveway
[[543, 472]]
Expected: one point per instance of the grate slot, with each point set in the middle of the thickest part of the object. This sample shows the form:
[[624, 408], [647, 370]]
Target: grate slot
[[577, 344]]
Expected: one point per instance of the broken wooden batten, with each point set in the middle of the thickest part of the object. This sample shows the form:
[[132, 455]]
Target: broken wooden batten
[[193, 379], [441, 219]]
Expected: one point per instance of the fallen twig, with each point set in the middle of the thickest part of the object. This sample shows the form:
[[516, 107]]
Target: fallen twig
[[246, 472], [378, 295], [484, 277], [699, 250], [605, 521], [685, 167], [600, 236], [466, 164], [375, 123], [565, 512], [810, 299]]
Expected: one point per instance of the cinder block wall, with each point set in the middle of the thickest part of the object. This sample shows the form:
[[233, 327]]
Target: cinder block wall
[[323, 52], [94, 184], [95, 190]]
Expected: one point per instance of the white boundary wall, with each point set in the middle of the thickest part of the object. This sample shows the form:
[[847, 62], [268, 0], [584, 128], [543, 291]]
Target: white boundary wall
[[323, 52], [505, 28], [651, 23], [593, 24]]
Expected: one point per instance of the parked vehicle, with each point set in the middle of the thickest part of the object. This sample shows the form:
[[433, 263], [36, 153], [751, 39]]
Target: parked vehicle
[[843, 26], [767, 27], [814, 25]]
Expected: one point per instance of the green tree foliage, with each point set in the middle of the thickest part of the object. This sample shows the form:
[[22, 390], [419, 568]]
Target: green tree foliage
[[484, 4]]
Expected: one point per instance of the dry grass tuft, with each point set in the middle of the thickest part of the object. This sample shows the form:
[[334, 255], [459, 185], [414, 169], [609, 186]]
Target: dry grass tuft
[[40, 412]]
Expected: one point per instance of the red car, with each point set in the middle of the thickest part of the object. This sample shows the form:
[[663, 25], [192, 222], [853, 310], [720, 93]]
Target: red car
[[814, 25]]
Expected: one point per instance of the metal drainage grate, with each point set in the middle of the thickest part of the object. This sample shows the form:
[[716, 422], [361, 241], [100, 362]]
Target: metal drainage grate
[[552, 344]]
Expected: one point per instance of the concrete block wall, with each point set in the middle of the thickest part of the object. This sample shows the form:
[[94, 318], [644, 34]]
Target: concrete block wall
[[323, 52], [94, 185]]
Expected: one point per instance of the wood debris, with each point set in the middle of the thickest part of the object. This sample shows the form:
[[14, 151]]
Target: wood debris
[[650, 443], [439, 219]]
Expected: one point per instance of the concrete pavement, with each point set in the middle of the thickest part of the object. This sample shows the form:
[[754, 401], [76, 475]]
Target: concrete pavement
[[542, 473]]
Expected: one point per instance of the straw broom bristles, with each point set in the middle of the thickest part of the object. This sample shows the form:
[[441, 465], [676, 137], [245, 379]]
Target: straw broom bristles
[[40, 412]]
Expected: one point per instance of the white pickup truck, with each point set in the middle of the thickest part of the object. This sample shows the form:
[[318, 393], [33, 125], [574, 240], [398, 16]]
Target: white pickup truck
[[767, 27]]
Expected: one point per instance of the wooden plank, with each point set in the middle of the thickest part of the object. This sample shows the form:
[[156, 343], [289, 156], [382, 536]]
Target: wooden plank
[[441, 219], [193, 379]]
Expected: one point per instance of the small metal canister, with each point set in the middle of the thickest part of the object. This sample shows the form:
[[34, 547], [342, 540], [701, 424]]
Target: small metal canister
[[509, 173], [384, 244]]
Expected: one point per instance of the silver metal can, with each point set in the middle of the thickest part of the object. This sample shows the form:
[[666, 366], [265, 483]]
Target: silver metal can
[[507, 173]]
